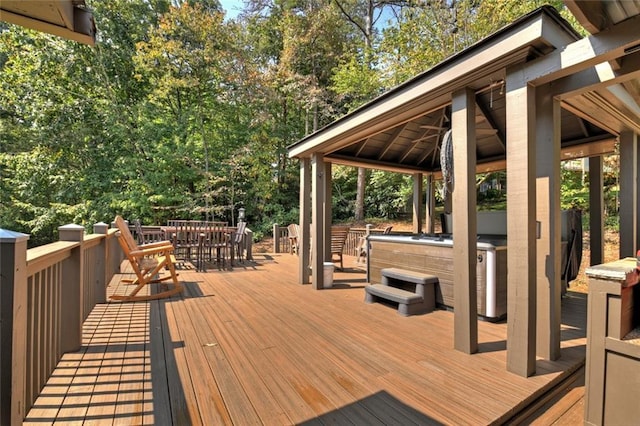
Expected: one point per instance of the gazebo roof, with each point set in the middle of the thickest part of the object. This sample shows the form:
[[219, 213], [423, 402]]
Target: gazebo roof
[[402, 129], [65, 18]]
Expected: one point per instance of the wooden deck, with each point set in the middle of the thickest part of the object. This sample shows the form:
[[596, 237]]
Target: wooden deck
[[250, 346]]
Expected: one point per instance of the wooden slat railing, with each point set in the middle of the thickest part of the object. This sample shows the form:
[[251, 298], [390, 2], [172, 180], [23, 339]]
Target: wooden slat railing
[[281, 240], [46, 293], [281, 243]]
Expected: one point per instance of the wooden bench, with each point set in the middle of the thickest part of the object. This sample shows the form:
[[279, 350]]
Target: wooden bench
[[396, 285]]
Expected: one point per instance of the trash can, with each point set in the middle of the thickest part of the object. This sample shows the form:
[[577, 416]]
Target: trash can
[[328, 274]]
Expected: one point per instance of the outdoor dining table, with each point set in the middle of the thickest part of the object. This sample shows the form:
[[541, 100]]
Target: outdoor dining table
[[204, 240]]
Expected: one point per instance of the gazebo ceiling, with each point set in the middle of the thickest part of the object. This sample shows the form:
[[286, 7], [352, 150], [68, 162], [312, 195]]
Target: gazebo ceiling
[[65, 18], [402, 130]]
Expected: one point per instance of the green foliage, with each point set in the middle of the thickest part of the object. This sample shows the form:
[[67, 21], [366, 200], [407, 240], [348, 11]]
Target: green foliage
[[388, 194], [179, 113], [574, 192]]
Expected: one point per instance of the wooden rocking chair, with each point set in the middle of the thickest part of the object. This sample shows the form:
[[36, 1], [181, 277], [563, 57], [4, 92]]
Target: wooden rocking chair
[[147, 261]]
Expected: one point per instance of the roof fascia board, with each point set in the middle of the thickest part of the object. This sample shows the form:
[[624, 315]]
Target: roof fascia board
[[83, 21], [446, 76], [601, 47]]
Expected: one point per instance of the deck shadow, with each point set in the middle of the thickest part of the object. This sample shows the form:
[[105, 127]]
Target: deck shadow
[[169, 400], [379, 408]]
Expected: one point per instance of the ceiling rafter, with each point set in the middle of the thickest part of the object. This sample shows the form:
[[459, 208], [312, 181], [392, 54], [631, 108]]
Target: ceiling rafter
[[396, 134], [486, 112], [362, 146]]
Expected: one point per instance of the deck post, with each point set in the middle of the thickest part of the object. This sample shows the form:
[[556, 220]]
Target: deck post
[[521, 225], [72, 274], [13, 326], [548, 251], [115, 253], [430, 205], [628, 194], [596, 205], [305, 221], [317, 211], [101, 259], [327, 211], [464, 221], [276, 237], [417, 203]]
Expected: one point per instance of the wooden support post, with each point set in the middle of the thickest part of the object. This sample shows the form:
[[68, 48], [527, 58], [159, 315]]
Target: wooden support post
[[464, 222], [548, 254], [72, 275], [628, 194], [521, 226], [596, 208], [417, 203], [276, 238], [305, 221], [317, 210], [430, 206], [327, 211], [13, 326], [103, 279]]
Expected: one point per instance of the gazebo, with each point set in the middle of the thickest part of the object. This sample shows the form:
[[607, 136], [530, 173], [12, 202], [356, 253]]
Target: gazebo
[[521, 100]]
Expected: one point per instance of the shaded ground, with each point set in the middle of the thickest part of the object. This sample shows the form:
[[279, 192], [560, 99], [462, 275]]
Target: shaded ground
[[580, 284]]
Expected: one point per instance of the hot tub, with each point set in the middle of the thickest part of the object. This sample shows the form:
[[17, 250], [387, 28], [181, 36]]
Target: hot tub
[[433, 254]]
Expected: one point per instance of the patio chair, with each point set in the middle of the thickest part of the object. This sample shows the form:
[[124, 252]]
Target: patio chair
[[361, 250], [214, 238], [146, 236], [294, 236], [236, 241], [186, 238], [147, 261], [338, 239]]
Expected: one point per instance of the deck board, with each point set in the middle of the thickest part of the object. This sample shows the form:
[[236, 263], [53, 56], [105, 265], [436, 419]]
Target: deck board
[[251, 346]]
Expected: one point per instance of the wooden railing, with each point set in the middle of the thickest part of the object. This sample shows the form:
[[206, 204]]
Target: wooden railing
[[46, 293], [281, 239], [281, 243]]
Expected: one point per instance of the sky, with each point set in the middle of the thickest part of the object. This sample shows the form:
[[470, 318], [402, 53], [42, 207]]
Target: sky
[[232, 7]]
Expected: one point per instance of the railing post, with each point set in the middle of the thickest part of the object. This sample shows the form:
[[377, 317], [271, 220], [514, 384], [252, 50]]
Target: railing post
[[72, 289], [248, 244], [276, 238], [13, 326], [102, 260]]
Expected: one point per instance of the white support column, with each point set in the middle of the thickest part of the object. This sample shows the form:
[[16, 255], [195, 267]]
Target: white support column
[[549, 285], [464, 222], [317, 219], [417, 203], [305, 221], [521, 226], [628, 194], [596, 208]]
